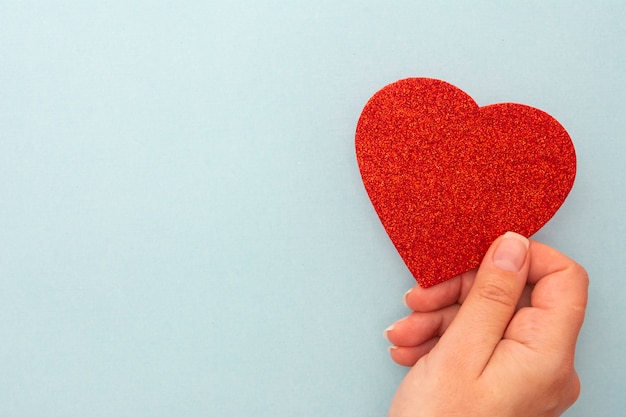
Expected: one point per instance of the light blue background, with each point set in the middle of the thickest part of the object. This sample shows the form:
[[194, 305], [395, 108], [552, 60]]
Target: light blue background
[[183, 229]]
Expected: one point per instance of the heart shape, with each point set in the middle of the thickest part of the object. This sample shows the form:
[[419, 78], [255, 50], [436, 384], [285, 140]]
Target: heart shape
[[447, 177]]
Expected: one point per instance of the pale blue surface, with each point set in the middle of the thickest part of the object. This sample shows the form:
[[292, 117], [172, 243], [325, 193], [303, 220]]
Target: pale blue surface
[[183, 230]]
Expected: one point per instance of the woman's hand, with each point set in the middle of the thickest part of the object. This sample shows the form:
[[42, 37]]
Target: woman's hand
[[498, 341]]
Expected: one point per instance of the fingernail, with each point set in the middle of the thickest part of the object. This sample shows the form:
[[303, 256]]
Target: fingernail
[[391, 348], [387, 330], [406, 294], [511, 252]]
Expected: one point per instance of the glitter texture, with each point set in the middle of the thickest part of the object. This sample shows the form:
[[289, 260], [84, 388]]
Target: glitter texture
[[447, 177]]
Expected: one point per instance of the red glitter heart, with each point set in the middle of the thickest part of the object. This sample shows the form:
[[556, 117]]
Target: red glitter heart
[[447, 177]]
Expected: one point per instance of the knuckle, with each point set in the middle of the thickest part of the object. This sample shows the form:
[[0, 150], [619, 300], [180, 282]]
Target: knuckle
[[580, 273], [561, 370], [566, 389], [497, 292], [572, 390], [563, 373]]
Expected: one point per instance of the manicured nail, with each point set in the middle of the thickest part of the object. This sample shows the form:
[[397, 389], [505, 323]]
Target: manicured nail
[[387, 330], [511, 252], [406, 294]]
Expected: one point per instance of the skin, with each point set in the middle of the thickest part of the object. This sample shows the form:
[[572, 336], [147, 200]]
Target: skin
[[496, 341]]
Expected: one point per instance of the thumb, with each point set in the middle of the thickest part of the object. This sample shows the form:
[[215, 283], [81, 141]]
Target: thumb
[[482, 319]]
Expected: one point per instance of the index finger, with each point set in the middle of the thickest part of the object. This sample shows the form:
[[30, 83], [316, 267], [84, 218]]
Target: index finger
[[560, 292], [452, 291]]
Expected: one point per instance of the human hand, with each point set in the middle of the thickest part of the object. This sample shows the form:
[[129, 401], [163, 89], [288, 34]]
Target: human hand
[[498, 341]]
